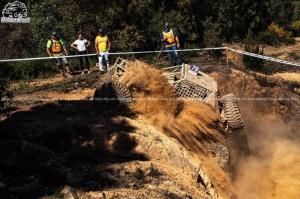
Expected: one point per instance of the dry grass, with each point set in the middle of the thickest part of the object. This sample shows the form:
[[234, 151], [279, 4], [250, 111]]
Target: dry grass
[[295, 77], [51, 96]]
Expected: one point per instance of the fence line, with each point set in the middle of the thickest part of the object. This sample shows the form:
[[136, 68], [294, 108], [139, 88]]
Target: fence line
[[113, 53], [164, 51], [263, 57]]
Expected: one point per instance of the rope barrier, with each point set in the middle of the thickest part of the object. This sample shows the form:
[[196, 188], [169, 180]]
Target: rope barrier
[[116, 53], [163, 51], [263, 57]]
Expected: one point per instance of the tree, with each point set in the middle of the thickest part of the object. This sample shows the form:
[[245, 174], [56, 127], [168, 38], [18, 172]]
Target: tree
[[136, 24]]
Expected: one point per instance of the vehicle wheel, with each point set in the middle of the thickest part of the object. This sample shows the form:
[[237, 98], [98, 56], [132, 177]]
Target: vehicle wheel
[[232, 112], [16, 15], [112, 94], [219, 151]]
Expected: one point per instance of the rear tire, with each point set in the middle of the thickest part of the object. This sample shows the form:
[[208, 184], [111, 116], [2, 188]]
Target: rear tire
[[232, 112], [219, 151], [112, 95]]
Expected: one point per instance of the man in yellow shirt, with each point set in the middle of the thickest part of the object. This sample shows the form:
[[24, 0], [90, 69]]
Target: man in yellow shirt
[[171, 41], [102, 46]]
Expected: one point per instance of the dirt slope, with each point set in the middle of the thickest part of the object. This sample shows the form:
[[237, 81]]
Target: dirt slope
[[154, 148], [118, 150], [272, 125]]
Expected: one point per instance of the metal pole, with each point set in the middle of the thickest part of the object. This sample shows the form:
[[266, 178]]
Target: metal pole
[[227, 62], [211, 57]]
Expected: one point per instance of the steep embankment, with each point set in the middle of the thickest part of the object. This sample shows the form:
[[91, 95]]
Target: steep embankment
[[272, 117], [153, 149], [194, 124]]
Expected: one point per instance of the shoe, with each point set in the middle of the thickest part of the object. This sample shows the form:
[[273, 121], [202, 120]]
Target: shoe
[[82, 73]]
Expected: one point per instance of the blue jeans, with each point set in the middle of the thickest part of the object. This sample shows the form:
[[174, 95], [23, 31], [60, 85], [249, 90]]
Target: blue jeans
[[173, 56]]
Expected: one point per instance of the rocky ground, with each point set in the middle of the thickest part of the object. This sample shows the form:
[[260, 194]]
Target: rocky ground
[[64, 147]]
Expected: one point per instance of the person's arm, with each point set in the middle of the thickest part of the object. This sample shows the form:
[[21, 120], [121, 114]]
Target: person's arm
[[109, 45], [161, 37], [74, 45], [48, 48], [65, 50], [96, 46], [88, 43], [48, 51], [177, 39], [163, 40], [64, 47], [177, 42]]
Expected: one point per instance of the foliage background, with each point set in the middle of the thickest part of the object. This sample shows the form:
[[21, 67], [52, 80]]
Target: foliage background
[[136, 24]]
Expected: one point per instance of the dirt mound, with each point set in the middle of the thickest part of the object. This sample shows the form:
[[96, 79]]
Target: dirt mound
[[94, 153]]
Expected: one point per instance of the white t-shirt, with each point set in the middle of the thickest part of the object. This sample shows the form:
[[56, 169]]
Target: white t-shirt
[[81, 44]]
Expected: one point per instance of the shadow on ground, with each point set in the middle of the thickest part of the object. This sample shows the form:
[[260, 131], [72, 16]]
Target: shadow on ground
[[63, 143]]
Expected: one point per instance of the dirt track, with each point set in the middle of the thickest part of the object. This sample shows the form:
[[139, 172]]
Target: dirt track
[[127, 152]]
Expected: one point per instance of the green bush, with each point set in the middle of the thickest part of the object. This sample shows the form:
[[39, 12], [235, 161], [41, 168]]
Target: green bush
[[4, 94], [26, 70], [276, 35], [129, 39], [212, 35], [253, 63], [295, 27]]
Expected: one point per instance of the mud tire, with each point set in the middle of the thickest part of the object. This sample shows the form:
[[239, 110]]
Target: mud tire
[[112, 94], [220, 152], [232, 112]]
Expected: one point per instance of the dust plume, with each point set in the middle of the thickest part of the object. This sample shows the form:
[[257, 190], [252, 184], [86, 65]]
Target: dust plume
[[192, 123], [273, 168]]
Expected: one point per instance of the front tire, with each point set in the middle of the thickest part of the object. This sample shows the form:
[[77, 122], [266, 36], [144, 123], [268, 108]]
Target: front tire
[[232, 112]]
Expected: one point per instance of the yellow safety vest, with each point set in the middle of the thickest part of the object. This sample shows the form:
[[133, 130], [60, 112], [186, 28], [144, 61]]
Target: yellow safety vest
[[56, 46], [102, 43], [169, 37]]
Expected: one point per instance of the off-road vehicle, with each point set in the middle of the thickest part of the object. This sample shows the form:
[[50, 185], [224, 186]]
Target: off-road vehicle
[[190, 84]]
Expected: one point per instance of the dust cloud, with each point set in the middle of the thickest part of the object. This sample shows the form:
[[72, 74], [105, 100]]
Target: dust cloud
[[192, 123], [272, 170]]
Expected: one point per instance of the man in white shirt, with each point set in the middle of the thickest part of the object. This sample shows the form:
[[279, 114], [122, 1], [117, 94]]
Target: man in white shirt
[[81, 45]]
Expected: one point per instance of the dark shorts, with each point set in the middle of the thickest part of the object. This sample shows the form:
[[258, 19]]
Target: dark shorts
[[60, 61]]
